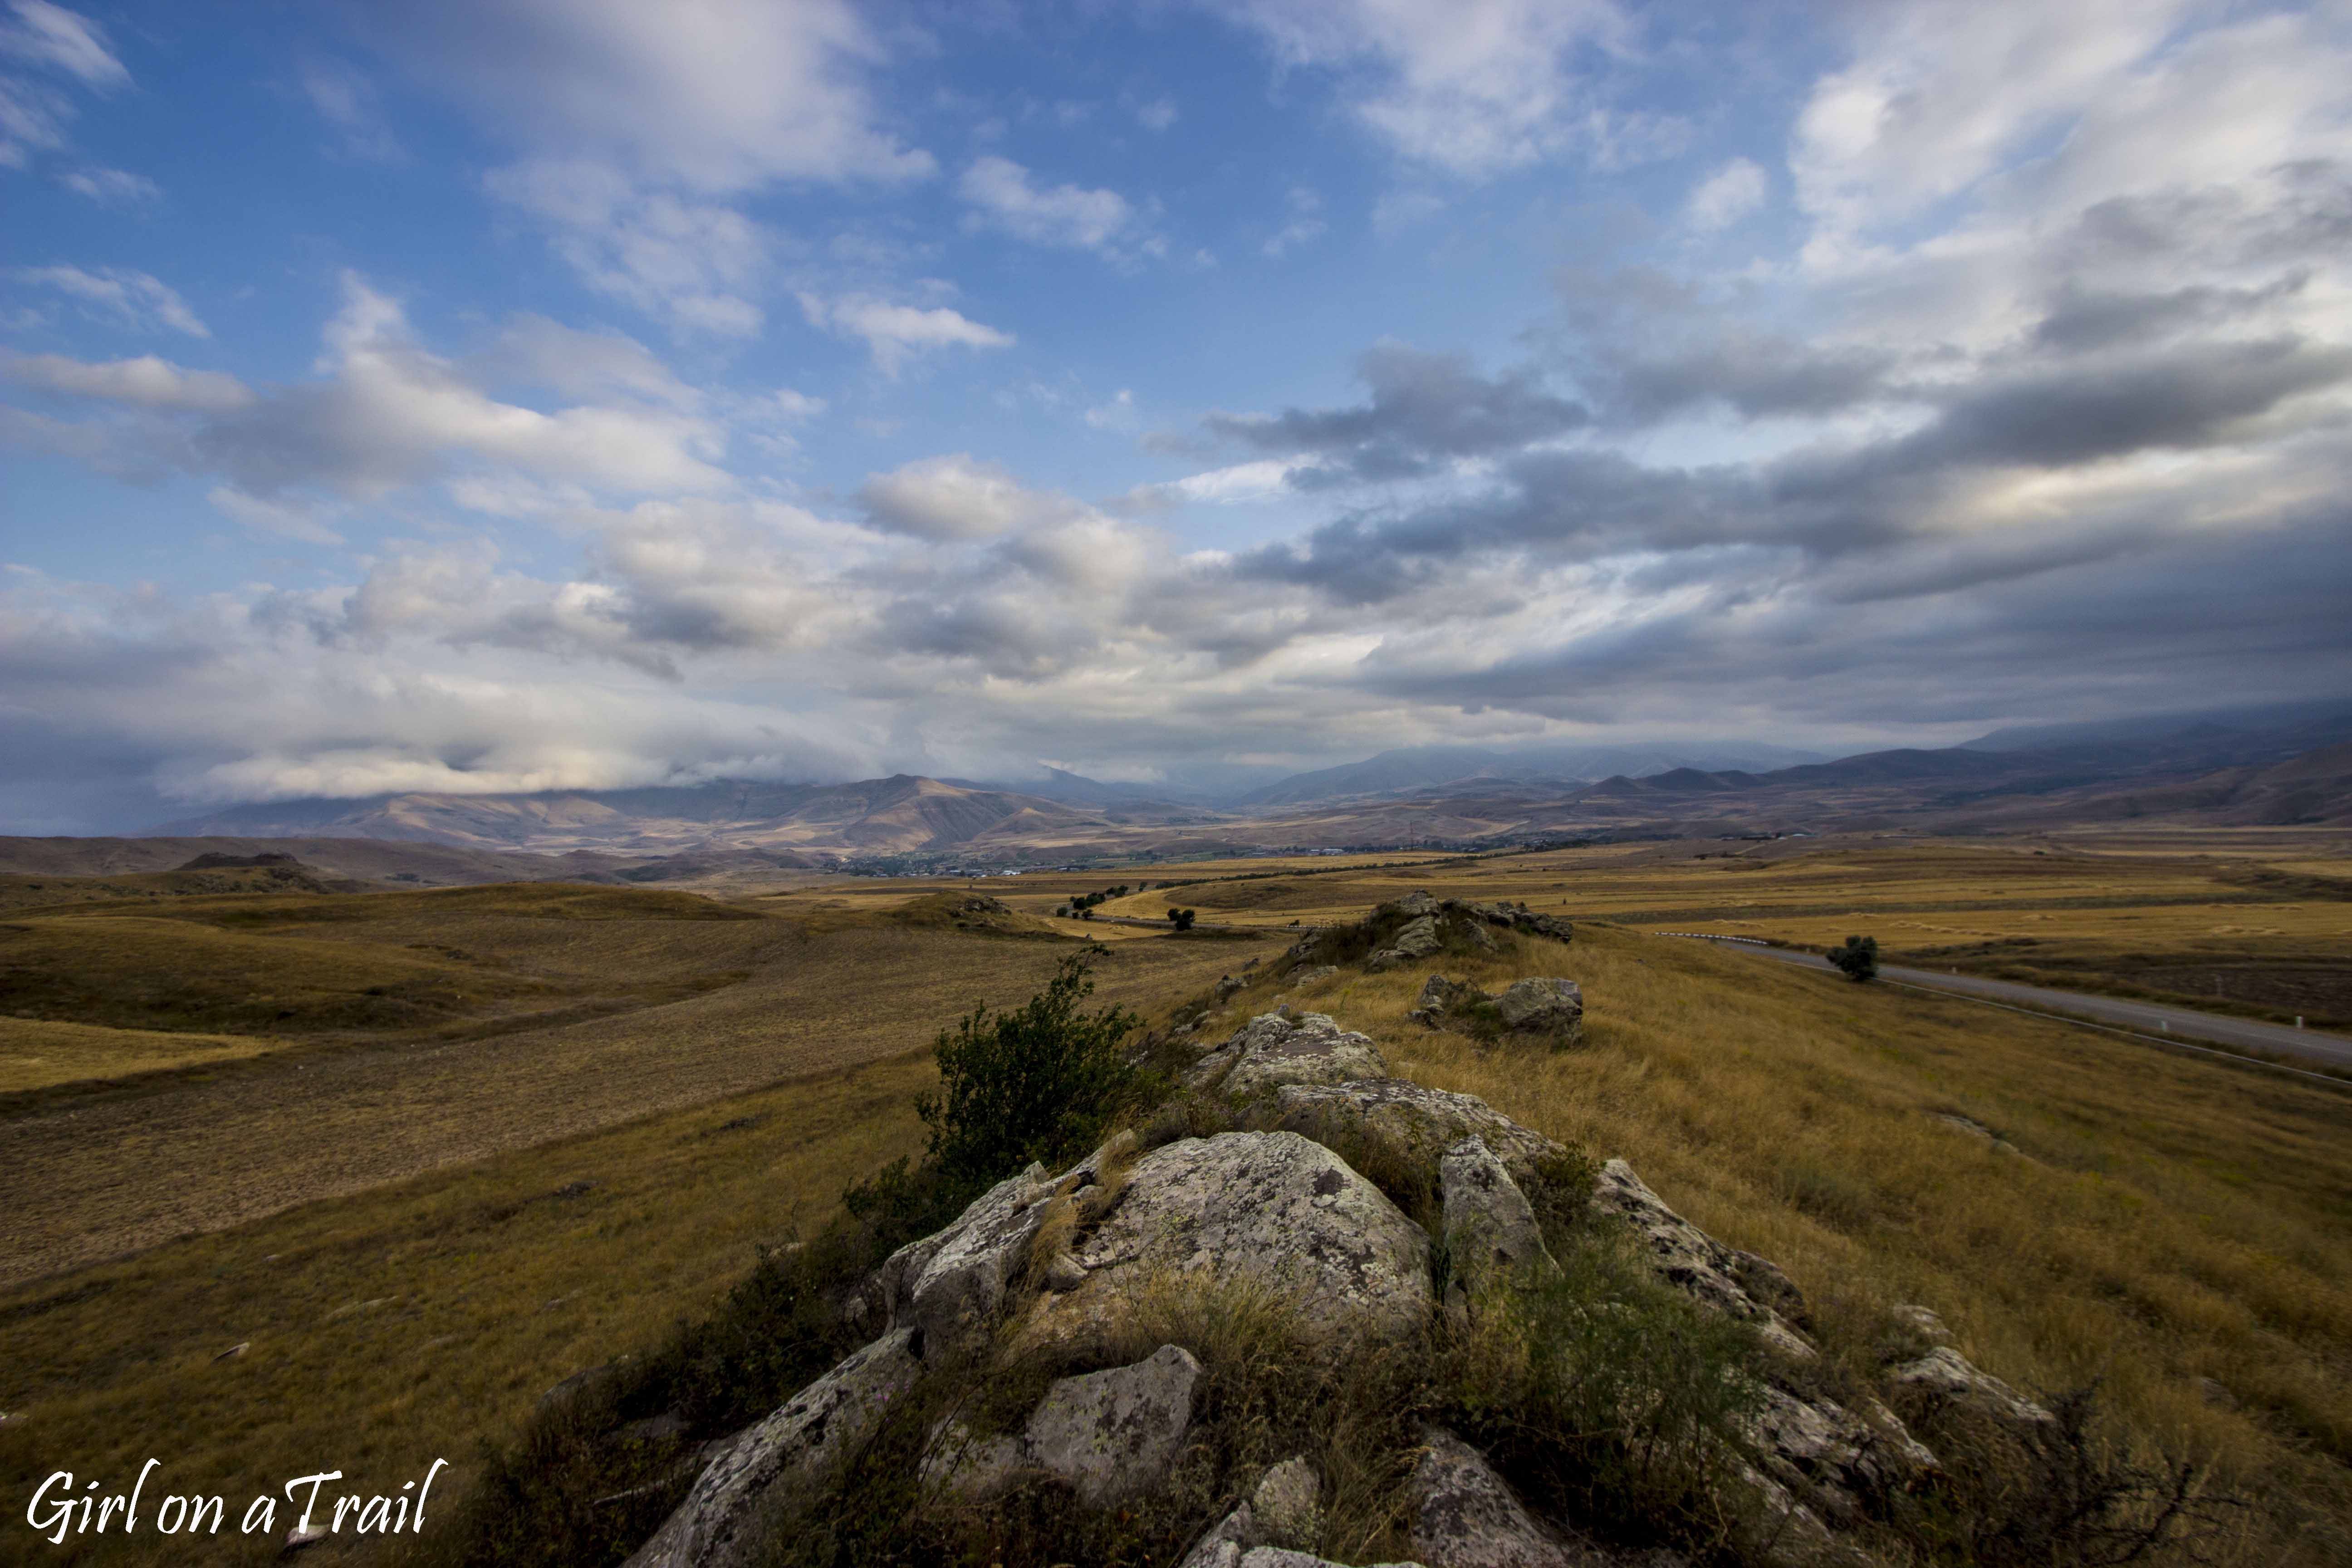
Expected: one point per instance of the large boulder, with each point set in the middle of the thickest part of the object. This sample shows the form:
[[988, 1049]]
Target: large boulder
[[1491, 1232], [1697, 1264], [1944, 1376], [1417, 939], [1835, 1458], [1107, 1434], [1411, 1124], [952, 1283], [1466, 1516], [1272, 1050], [1258, 1210], [1543, 1006], [761, 1470]]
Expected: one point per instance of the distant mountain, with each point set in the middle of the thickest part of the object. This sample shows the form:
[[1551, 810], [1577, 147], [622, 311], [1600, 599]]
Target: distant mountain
[[1432, 767], [2277, 730], [1077, 789], [900, 815]]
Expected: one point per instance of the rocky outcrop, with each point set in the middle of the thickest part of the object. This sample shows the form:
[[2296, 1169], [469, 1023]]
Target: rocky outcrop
[[1697, 1264], [1272, 1050], [952, 1284], [1413, 942], [764, 1469], [1106, 1434], [1944, 1376], [1492, 1236], [1409, 1124], [1466, 1516], [1545, 1008], [1261, 1211]]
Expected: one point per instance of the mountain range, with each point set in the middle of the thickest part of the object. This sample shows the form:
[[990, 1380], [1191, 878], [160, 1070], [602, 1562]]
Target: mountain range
[[2202, 771]]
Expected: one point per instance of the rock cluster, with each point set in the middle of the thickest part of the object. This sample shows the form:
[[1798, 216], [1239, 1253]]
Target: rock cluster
[[1429, 925], [1539, 1007], [1279, 1211]]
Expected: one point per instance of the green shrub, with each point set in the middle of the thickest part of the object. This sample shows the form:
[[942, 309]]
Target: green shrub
[[1858, 959], [1038, 1083]]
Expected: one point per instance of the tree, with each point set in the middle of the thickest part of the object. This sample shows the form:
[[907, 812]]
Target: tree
[[1181, 919], [1038, 1083], [1858, 958]]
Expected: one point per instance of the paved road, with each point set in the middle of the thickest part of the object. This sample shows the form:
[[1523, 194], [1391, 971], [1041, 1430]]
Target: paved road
[[2148, 1018]]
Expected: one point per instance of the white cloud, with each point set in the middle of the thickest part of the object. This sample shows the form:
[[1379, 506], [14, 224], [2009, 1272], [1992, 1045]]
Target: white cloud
[[1306, 222], [688, 261], [893, 332], [1474, 88], [951, 498], [1118, 414], [146, 381], [62, 40], [285, 518], [112, 187], [1005, 197], [1725, 196], [136, 300], [347, 101], [1158, 114]]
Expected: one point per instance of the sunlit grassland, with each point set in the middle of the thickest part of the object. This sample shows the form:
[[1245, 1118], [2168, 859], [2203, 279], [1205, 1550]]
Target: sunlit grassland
[[420, 1319], [37, 1053], [2164, 1220]]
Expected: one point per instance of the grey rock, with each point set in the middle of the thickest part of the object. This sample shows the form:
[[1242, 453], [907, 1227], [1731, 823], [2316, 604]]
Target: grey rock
[[1226, 988], [952, 1283], [1112, 1433], [1831, 1456], [1688, 1258], [719, 1521], [2215, 1395], [1920, 1321], [1287, 1506], [1418, 903], [1944, 1375], [1466, 1515], [1310, 974], [1417, 940], [1310, 1049], [1266, 1210], [1543, 1005], [1277, 1557], [1065, 1273], [1438, 996], [1226, 1543], [1490, 1226], [1411, 1124]]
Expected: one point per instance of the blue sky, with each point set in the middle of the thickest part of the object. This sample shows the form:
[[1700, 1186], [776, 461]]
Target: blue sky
[[517, 394]]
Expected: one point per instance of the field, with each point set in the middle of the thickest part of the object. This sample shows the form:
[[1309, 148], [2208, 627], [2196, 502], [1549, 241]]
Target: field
[[593, 1104]]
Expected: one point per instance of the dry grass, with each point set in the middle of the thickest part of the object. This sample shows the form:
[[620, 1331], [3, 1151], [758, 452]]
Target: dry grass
[[2169, 1220], [37, 1053], [421, 1318]]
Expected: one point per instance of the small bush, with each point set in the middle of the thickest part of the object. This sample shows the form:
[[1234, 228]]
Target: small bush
[[1858, 959], [1039, 1083]]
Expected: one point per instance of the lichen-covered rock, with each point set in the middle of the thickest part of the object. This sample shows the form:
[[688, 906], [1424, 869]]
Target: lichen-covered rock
[[1688, 1258], [1287, 1505], [1313, 974], [1945, 1376], [1466, 1516], [1417, 939], [1438, 996], [1272, 1050], [1412, 1123], [719, 1522], [1112, 1433], [1923, 1321], [951, 1283], [1835, 1458], [1543, 1007], [1490, 1226], [1265, 1210]]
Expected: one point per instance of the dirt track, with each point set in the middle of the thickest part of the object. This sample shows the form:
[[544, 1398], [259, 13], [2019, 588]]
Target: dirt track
[[116, 1174]]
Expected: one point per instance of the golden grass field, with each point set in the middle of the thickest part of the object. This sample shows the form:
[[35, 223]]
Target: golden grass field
[[393, 1223]]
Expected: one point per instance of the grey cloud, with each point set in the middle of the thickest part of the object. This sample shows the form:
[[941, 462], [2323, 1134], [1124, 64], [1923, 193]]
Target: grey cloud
[[1424, 408], [1756, 376]]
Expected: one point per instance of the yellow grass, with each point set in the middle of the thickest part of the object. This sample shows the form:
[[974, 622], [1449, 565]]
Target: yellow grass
[[2168, 1219], [36, 1053], [418, 1319]]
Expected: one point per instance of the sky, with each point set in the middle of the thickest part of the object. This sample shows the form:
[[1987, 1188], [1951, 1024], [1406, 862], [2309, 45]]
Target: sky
[[485, 395]]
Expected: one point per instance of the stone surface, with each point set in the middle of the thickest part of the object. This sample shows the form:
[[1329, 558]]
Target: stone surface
[[1920, 1321], [1112, 1433], [1688, 1258], [1546, 1005], [718, 1522], [1439, 995], [1410, 1122], [1272, 1050], [1311, 974], [1833, 1458], [1264, 1210], [1415, 940], [1945, 1375], [1287, 1506], [951, 1283], [1490, 1226], [1466, 1516], [1065, 1273]]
